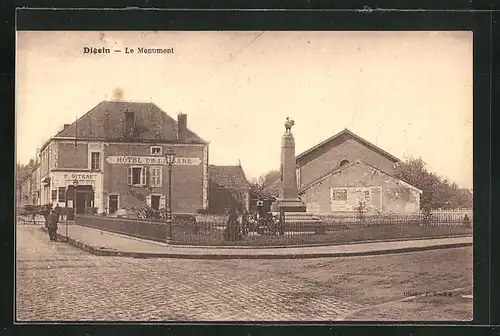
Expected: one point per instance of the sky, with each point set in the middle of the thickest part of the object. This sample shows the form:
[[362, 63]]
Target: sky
[[410, 93]]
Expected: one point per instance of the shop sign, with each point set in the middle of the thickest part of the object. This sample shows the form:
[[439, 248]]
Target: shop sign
[[80, 177], [153, 160]]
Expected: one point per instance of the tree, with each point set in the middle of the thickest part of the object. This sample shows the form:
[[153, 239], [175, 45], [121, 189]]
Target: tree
[[437, 192], [255, 188], [269, 178], [265, 180]]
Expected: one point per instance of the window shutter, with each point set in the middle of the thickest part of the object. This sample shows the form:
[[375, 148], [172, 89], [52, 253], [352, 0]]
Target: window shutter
[[148, 200], [162, 202], [160, 176], [150, 177], [129, 175], [143, 176]]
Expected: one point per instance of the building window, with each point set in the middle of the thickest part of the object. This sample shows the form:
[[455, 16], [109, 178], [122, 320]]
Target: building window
[[339, 194], [136, 176], [343, 163], [95, 161], [155, 202], [62, 194], [54, 195], [155, 150], [155, 176]]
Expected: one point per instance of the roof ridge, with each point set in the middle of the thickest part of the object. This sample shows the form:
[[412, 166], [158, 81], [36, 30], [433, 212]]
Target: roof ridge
[[168, 123], [128, 101], [350, 164], [355, 136], [79, 118], [331, 172]]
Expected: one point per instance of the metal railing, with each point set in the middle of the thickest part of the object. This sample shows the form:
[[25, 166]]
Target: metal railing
[[435, 218], [189, 230]]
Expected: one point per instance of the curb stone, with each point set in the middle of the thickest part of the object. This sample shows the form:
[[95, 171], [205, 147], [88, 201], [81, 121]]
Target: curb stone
[[256, 247], [216, 256]]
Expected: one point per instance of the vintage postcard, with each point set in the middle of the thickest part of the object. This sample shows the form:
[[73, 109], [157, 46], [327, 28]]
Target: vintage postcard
[[244, 176]]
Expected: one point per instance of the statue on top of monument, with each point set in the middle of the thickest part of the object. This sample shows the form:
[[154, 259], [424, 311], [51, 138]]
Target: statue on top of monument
[[288, 124]]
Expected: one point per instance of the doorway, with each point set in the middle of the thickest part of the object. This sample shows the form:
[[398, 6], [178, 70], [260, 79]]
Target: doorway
[[84, 199], [155, 202], [113, 204], [81, 202]]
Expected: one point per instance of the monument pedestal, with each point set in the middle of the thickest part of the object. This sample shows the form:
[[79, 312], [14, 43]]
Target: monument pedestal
[[288, 205]]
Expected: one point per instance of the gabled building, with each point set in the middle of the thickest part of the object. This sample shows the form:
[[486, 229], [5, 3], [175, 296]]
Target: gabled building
[[113, 158], [228, 187], [346, 171], [342, 148], [356, 184]]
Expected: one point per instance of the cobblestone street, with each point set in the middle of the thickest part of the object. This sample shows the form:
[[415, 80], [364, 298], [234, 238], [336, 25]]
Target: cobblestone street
[[55, 281]]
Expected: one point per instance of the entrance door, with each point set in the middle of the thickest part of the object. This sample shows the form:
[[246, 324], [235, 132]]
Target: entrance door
[[81, 201], [113, 203], [155, 202]]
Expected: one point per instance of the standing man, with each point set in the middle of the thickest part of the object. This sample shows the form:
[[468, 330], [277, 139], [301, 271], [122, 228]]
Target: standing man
[[53, 220], [46, 213], [58, 212]]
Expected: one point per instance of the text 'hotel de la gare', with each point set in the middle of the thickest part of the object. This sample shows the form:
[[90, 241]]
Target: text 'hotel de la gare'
[[127, 50]]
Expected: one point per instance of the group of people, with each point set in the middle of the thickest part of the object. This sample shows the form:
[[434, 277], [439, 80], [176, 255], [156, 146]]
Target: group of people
[[52, 217], [241, 222]]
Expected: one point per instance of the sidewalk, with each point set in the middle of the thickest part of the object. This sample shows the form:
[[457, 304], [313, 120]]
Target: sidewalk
[[111, 244]]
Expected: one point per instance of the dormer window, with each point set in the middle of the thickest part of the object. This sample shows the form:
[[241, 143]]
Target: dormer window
[[155, 150]]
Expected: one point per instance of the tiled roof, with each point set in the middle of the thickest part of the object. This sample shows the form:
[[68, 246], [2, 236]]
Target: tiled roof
[[229, 177], [106, 121]]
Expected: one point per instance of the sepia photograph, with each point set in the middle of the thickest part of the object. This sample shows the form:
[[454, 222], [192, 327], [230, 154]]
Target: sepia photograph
[[212, 176]]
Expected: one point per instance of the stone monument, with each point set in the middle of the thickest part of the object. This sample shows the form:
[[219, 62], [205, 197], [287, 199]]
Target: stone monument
[[288, 202]]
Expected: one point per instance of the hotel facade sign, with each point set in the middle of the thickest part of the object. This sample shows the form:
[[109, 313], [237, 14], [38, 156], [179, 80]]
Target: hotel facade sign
[[152, 160]]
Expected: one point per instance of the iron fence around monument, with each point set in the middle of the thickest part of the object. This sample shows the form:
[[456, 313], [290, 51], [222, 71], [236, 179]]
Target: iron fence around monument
[[433, 218], [332, 230]]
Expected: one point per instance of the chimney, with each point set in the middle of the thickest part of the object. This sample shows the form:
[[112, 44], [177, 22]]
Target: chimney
[[182, 127], [66, 126]]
